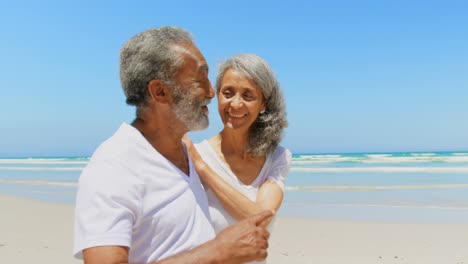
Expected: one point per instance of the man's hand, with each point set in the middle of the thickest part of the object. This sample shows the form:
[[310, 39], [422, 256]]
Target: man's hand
[[243, 242], [247, 240]]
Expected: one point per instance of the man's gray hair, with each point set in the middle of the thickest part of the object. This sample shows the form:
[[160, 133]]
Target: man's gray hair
[[266, 132], [148, 56]]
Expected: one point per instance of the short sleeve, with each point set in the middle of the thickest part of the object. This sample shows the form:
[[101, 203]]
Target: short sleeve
[[280, 166], [106, 207]]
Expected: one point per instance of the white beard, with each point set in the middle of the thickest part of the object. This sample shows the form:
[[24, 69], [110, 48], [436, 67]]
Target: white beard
[[189, 110]]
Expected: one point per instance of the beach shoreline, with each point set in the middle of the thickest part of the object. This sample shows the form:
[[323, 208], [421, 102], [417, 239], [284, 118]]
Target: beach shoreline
[[38, 232]]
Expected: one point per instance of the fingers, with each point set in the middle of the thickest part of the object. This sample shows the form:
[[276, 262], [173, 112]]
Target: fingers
[[266, 222], [250, 237], [261, 254], [263, 219], [263, 233], [261, 250]]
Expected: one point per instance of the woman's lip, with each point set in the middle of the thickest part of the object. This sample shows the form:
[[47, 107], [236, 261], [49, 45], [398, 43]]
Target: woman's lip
[[236, 116]]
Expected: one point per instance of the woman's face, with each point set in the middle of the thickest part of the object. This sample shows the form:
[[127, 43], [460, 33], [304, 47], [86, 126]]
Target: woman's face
[[239, 101]]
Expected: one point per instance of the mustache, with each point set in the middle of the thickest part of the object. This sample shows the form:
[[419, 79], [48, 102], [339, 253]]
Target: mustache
[[205, 102]]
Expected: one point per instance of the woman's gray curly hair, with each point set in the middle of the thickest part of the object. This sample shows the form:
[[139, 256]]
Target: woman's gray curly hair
[[266, 132]]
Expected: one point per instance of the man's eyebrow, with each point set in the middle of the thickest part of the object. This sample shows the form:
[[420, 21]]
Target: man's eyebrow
[[203, 68]]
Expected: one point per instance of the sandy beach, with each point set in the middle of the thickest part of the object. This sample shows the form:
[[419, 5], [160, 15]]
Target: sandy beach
[[37, 232], [346, 242]]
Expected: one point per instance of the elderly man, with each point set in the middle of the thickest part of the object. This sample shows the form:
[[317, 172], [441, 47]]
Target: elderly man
[[139, 198]]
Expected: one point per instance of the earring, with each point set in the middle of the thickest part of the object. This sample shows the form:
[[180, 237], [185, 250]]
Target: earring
[[262, 112]]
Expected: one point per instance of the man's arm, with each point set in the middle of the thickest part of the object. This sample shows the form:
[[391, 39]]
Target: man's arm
[[245, 241]]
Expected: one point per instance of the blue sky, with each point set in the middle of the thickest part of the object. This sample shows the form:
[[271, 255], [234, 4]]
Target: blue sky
[[358, 76]]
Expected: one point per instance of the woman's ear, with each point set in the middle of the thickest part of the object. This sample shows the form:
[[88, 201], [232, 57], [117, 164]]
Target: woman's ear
[[159, 91], [263, 107]]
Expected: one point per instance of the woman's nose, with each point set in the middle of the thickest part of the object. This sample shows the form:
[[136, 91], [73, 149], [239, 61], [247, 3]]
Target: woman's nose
[[236, 101]]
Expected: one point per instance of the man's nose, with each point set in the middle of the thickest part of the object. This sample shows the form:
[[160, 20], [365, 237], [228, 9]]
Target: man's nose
[[210, 94]]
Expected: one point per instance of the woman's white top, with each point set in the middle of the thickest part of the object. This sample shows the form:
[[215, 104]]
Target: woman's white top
[[276, 168]]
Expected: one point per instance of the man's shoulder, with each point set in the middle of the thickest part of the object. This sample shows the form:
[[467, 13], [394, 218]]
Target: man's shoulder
[[122, 143], [115, 155]]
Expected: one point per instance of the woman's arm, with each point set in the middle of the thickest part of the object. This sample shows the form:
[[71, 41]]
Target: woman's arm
[[269, 196]]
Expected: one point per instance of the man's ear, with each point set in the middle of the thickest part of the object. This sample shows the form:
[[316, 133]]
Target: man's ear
[[159, 91]]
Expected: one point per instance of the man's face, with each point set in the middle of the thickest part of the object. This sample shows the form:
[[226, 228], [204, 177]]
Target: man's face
[[189, 109], [192, 91]]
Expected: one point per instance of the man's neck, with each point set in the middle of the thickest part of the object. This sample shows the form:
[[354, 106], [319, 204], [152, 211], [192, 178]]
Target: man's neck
[[166, 140]]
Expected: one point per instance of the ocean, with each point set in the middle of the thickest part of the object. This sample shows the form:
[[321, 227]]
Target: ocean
[[388, 187]]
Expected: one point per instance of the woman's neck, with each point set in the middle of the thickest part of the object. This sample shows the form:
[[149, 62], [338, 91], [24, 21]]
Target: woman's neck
[[233, 143]]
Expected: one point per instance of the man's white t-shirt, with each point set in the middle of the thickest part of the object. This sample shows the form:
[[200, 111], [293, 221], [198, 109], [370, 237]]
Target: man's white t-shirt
[[130, 195]]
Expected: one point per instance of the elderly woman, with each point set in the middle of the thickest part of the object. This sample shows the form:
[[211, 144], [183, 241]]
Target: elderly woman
[[243, 167]]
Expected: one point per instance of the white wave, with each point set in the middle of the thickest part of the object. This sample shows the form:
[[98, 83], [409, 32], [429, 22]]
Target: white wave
[[355, 188], [320, 156], [423, 154], [39, 182], [42, 168], [378, 155], [382, 158], [418, 159], [384, 169], [326, 159], [406, 205], [63, 161]]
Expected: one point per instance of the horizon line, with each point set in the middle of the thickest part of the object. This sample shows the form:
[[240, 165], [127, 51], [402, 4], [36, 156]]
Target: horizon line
[[294, 153]]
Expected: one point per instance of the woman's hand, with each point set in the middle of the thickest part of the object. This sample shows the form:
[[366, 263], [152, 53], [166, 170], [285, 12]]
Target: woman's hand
[[197, 160]]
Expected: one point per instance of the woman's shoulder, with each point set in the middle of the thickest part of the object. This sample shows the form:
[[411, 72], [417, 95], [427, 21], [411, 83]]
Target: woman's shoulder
[[205, 148], [201, 144], [281, 151], [281, 156]]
